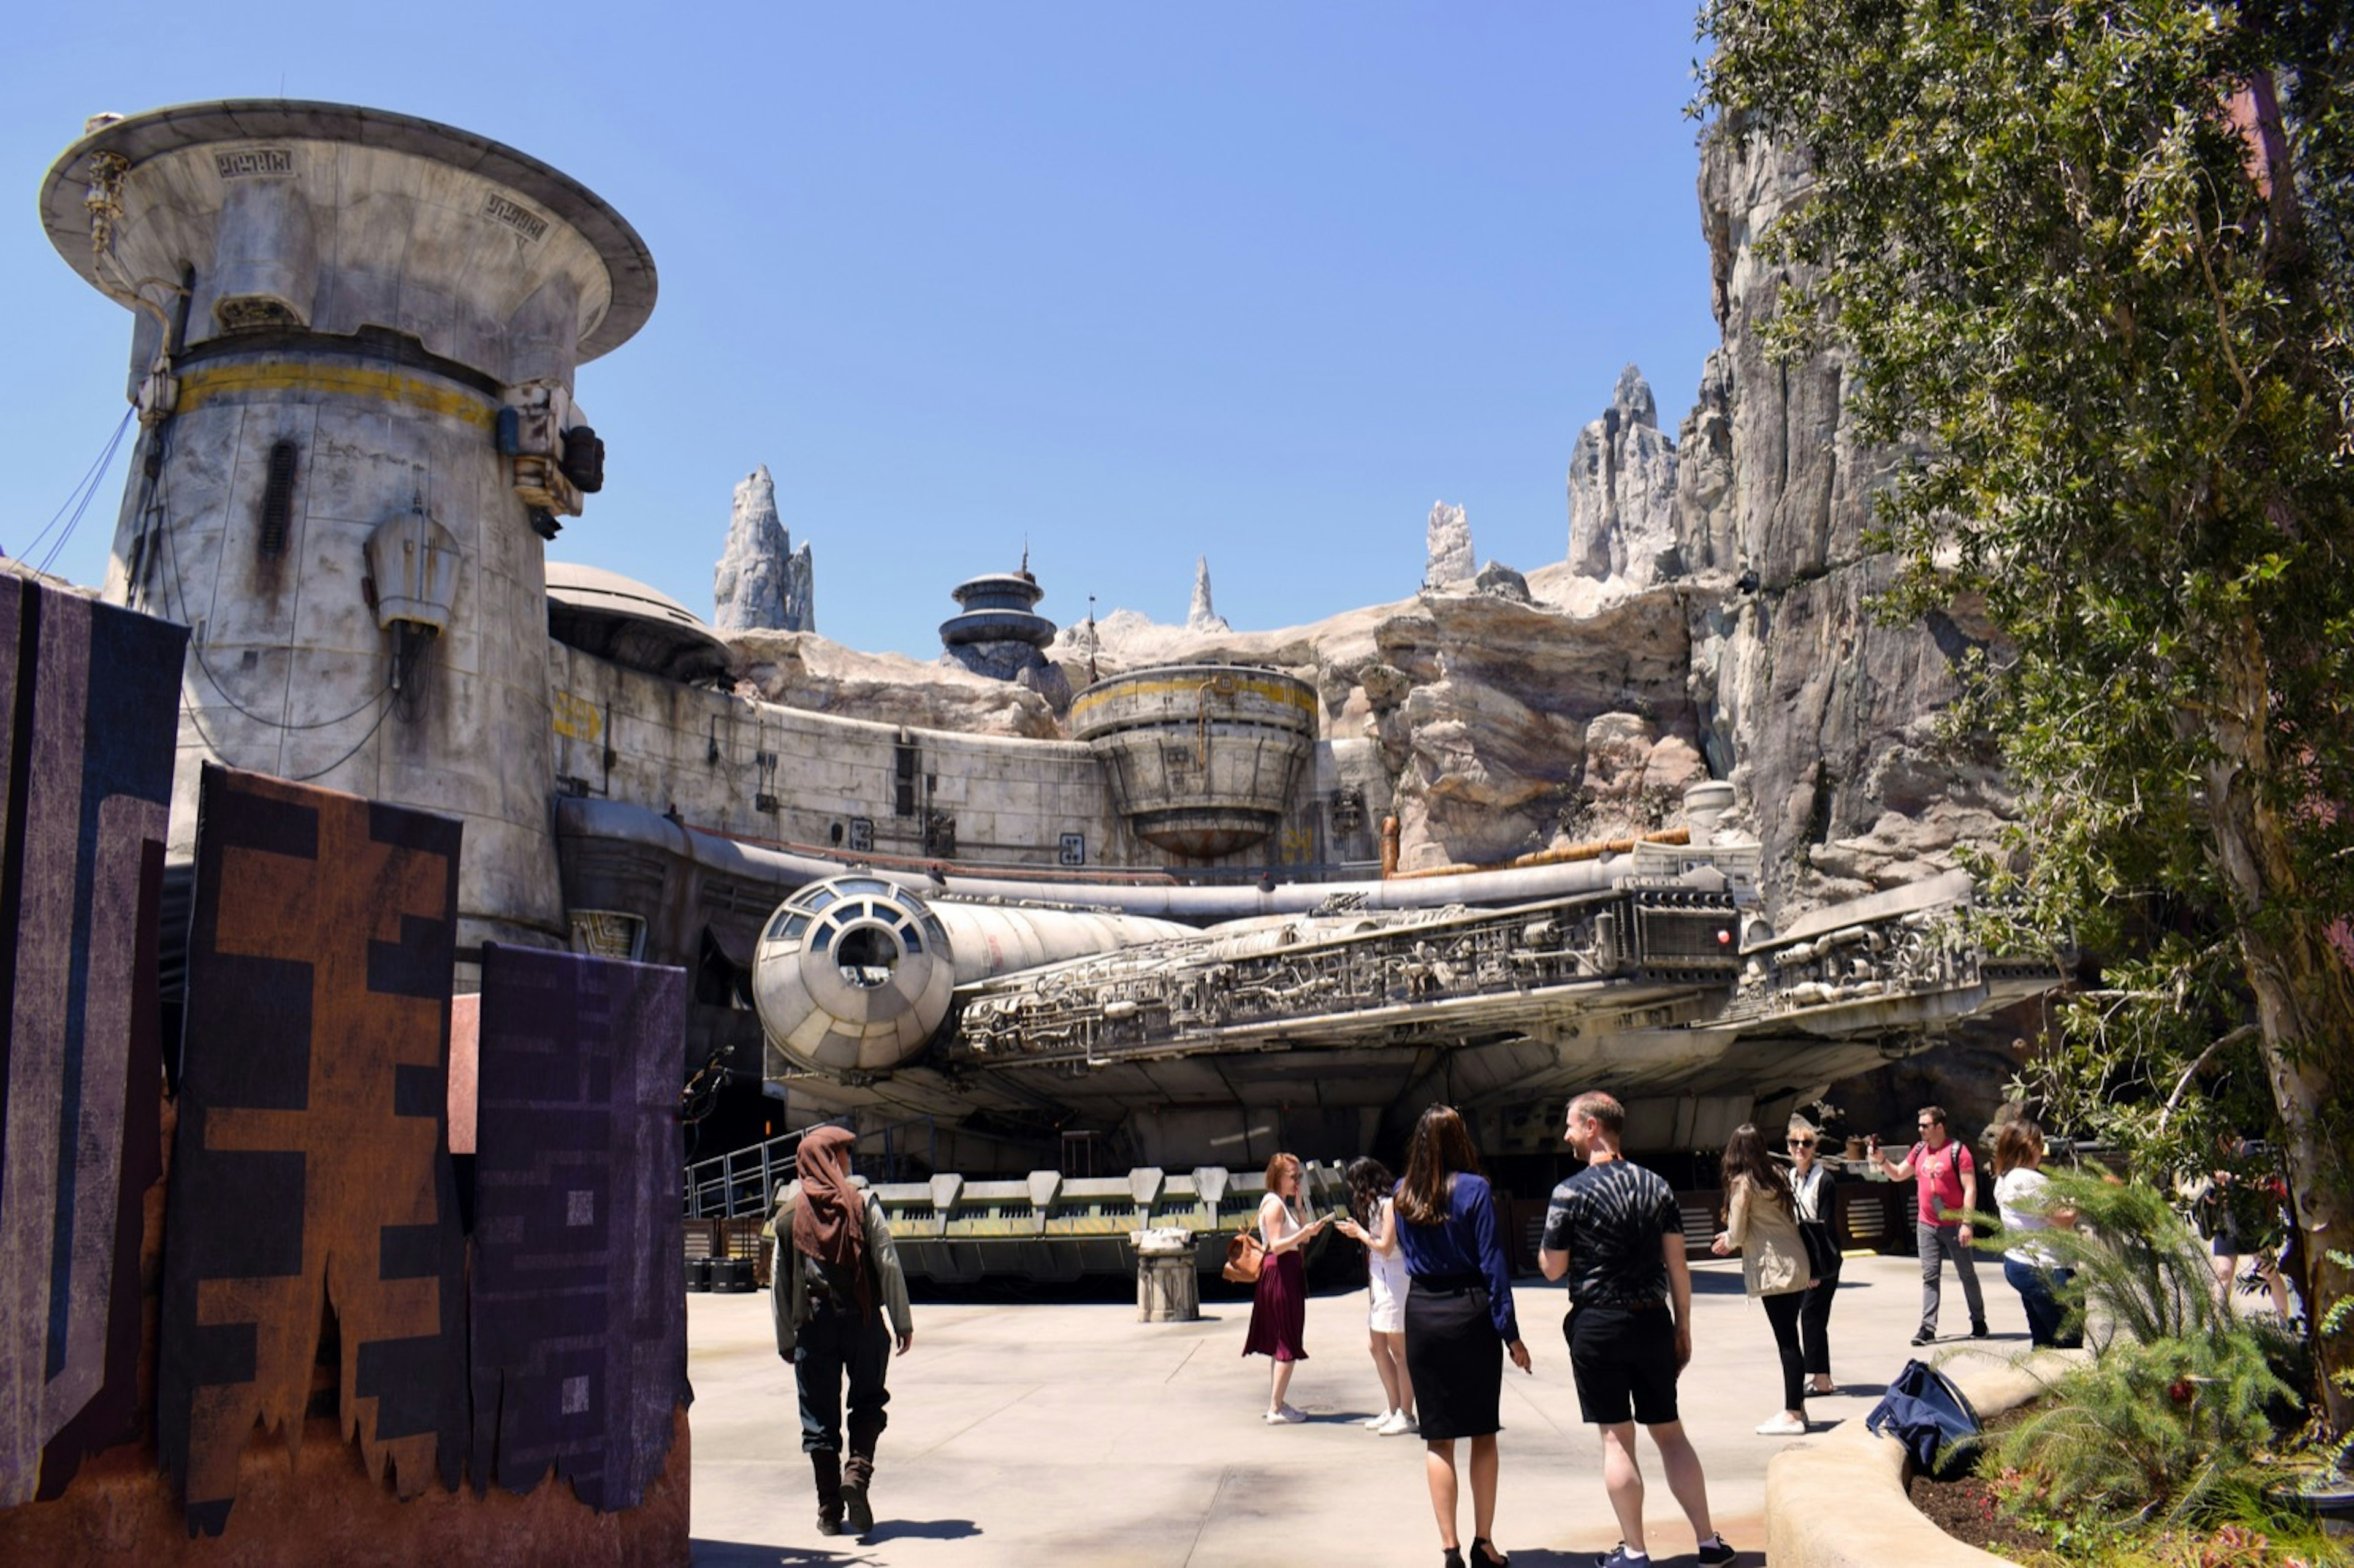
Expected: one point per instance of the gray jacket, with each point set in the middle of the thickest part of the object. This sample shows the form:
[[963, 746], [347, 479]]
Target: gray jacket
[[788, 1284]]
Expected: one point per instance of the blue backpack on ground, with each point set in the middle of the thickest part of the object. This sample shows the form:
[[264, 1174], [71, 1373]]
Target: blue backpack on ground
[[1933, 1420]]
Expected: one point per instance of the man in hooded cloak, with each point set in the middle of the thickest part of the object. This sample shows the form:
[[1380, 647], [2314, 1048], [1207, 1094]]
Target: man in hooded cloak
[[836, 1278]]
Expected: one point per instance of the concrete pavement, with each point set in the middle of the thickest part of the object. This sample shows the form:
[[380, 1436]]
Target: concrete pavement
[[1069, 1433]]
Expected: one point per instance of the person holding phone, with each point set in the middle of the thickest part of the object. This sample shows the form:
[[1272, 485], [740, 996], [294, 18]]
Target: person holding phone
[[1278, 1320], [1948, 1192], [1762, 1225], [1373, 1224]]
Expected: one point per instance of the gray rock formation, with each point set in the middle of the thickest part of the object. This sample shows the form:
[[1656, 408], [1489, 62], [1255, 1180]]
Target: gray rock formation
[[1450, 558], [1201, 616], [802, 670], [1622, 491], [762, 583], [1499, 581], [1493, 712], [1826, 717], [1468, 714]]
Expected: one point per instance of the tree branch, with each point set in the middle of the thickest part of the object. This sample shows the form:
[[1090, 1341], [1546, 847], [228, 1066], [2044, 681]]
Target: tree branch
[[2243, 1032]]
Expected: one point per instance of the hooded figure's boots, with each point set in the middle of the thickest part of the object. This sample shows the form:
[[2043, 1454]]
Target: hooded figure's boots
[[857, 1475], [828, 1468]]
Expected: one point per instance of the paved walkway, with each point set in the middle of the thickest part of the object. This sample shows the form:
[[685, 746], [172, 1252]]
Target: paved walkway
[[1072, 1434]]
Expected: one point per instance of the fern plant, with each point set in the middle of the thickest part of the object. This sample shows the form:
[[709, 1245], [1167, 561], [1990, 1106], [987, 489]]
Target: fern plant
[[2168, 1419]]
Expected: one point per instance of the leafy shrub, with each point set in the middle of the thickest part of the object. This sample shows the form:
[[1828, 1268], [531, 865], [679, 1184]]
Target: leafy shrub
[[2170, 1418]]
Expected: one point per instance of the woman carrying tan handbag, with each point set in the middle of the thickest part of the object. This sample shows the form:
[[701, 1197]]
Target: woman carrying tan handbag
[[1279, 1310]]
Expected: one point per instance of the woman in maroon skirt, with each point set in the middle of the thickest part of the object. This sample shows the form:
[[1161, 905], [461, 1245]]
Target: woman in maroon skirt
[[1279, 1310]]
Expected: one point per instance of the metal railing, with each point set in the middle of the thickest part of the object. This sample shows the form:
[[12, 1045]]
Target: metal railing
[[743, 1185]]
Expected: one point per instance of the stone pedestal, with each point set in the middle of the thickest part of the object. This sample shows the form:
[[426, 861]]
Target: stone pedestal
[[1167, 1289]]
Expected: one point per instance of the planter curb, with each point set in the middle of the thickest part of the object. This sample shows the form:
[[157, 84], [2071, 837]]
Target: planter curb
[[1838, 1501]]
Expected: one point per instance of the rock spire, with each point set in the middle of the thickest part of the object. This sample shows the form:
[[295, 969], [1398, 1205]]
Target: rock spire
[[1622, 491], [1449, 540], [762, 583], [1202, 616]]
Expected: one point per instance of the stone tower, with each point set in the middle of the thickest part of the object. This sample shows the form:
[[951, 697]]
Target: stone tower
[[353, 354]]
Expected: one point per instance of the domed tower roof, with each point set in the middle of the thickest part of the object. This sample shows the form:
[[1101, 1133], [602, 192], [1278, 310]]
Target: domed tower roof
[[998, 607], [623, 620]]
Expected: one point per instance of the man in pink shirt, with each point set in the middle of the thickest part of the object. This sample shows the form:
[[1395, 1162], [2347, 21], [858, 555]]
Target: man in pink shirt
[[1948, 1188]]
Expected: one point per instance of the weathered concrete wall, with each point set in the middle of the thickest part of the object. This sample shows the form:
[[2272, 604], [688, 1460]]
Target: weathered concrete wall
[[315, 1503], [288, 672], [306, 1496], [1012, 799]]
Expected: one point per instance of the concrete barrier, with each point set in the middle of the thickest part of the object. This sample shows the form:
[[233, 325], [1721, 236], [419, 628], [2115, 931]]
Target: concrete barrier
[[1840, 1502]]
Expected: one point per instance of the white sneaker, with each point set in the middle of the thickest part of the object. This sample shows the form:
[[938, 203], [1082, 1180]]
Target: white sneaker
[[1782, 1425], [1285, 1417], [1375, 1423], [1397, 1425]]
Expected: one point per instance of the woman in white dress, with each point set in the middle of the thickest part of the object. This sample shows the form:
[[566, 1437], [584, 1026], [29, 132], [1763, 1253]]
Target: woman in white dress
[[1374, 1223]]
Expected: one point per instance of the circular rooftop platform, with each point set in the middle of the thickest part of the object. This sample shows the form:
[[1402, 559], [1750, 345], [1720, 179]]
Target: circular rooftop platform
[[621, 619], [264, 125], [998, 608]]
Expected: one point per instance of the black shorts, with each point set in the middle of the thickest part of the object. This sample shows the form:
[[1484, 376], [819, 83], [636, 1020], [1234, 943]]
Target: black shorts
[[1624, 1361]]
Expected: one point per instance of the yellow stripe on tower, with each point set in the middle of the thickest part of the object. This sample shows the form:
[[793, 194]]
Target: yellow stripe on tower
[[200, 385]]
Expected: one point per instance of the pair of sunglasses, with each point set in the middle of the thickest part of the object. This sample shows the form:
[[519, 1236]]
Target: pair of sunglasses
[[1802, 1143]]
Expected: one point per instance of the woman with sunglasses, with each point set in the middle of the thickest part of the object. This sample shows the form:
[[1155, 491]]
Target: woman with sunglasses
[[1810, 1187]]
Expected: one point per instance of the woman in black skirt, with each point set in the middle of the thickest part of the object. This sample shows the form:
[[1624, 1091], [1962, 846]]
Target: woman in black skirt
[[1459, 1321]]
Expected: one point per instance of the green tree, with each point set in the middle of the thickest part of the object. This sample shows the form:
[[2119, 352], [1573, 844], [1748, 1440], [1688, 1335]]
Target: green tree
[[2094, 263]]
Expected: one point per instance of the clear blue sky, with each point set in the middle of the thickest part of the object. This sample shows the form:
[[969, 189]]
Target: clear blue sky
[[1258, 281]]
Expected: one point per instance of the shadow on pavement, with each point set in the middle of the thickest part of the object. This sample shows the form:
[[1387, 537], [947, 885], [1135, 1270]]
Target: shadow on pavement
[[742, 1554], [922, 1529], [1541, 1557]]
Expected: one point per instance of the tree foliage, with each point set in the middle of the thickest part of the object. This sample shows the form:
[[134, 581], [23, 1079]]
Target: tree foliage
[[2095, 265]]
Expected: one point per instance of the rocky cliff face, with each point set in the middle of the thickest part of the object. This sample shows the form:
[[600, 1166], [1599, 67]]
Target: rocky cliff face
[[801, 670], [1504, 715], [1825, 718], [762, 583]]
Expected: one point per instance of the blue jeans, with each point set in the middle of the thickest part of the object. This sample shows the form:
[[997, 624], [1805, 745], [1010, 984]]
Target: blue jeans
[[2039, 1293]]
